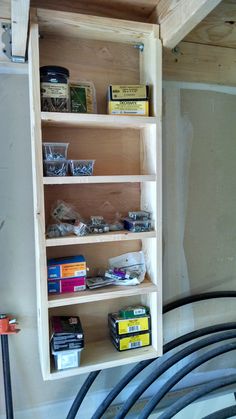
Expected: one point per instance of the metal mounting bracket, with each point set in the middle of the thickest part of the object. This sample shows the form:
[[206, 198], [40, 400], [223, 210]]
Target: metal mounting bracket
[[7, 42]]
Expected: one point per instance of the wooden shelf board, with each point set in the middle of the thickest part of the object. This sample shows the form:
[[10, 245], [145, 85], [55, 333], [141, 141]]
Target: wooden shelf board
[[99, 238], [73, 180], [57, 23], [102, 354], [105, 293], [96, 121]]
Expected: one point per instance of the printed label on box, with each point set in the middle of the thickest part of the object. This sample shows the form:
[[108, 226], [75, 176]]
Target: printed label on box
[[134, 341], [128, 108], [133, 325]]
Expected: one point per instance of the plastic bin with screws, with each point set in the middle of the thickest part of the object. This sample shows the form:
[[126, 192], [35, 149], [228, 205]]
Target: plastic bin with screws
[[81, 167]]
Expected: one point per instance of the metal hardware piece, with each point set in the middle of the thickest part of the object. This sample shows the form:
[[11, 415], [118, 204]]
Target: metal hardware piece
[[139, 46], [7, 42], [176, 50], [6, 39]]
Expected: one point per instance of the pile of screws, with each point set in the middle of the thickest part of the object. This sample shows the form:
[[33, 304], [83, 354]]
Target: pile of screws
[[81, 167]]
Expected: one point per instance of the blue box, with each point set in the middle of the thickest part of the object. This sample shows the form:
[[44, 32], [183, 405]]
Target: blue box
[[66, 267]]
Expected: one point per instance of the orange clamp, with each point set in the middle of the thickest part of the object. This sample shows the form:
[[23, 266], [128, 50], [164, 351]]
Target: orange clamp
[[7, 325]]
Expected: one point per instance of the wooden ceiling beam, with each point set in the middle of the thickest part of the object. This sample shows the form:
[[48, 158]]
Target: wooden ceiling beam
[[178, 17]]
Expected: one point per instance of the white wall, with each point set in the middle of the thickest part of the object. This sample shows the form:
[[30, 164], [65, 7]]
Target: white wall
[[200, 153]]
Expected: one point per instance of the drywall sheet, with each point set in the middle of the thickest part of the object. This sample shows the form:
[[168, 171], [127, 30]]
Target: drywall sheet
[[199, 207]]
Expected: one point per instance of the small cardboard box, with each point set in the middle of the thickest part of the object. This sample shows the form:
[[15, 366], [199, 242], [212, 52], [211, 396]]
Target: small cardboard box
[[126, 342], [67, 267], [67, 359], [128, 100], [61, 286], [66, 333], [120, 326]]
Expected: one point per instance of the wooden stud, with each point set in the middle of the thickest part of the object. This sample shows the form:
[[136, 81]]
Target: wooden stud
[[179, 18], [19, 27]]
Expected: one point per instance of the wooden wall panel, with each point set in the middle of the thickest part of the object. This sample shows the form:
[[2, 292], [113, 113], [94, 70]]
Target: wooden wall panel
[[218, 28], [200, 63]]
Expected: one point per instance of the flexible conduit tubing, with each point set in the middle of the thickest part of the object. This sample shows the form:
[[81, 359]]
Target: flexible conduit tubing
[[81, 394], [227, 412], [196, 394], [198, 297], [164, 366], [142, 365], [182, 373]]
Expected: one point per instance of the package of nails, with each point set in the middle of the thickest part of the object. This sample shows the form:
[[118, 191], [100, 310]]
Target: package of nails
[[130, 328], [133, 341], [66, 333], [67, 341], [121, 326]]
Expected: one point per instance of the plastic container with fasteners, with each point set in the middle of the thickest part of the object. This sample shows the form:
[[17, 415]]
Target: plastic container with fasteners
[[67, 359], [81, 167], [55, 168], [55, 151], [54, 87]]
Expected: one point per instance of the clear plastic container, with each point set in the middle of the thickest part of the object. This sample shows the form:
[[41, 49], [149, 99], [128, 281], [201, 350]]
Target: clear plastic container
[[55, 168], [81, 167], [67, 359], [55, 151]]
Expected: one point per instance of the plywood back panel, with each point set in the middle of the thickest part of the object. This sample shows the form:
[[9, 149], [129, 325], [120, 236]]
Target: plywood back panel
[[116, 152], [121, 9], [94, 316], [102, 62], [101, 199], [96, 255]]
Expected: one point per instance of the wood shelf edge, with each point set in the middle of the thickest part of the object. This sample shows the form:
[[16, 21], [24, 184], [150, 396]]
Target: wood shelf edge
[[89, 296], [99, 238]]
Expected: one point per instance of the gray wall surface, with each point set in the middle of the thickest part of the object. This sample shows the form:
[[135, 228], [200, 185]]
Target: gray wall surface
[[199, 152]]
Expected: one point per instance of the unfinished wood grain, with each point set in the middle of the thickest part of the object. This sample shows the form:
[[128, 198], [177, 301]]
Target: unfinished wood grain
[[116, 152], [97, 252], [106, 293], [95, 121], [76, 180], [94, 315], [102, 62], [92, 27], [38, 195], [105, 356], [63, 42], [5, 9], [137, 10], [200, 63], [19, 26], [218, 28], [123, 235], [181, 17], [99, 199]]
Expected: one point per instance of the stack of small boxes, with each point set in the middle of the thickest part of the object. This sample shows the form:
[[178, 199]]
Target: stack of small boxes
[[67, 341], [128, 100], [130, 328], [66, 274], [138, 221]]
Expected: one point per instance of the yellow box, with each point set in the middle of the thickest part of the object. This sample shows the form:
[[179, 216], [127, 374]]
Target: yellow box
[[128, 107], [123, 343], [120, 326], [128, 92]]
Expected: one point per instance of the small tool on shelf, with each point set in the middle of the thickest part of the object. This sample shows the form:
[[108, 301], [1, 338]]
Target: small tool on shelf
[[7, 327]]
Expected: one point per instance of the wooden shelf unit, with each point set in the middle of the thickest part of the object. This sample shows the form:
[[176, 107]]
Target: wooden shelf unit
[[127, 175]]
